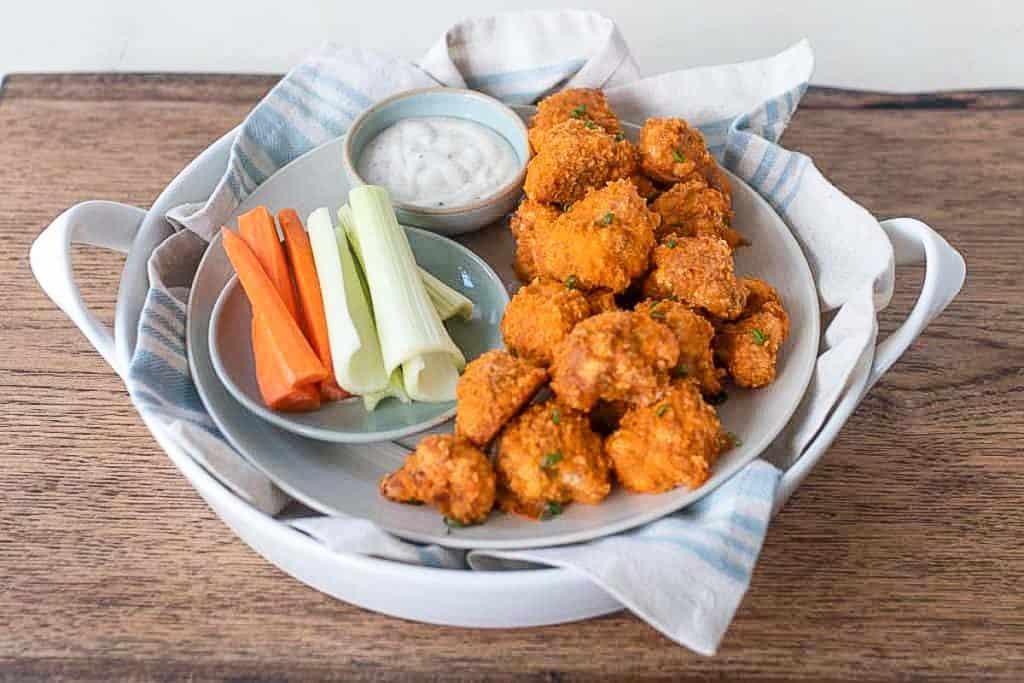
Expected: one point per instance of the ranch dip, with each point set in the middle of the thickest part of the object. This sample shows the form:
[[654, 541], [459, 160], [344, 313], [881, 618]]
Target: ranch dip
[[438, 161]]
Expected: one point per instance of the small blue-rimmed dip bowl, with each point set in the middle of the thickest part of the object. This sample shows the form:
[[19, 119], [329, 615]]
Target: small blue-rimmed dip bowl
[[451, 102]]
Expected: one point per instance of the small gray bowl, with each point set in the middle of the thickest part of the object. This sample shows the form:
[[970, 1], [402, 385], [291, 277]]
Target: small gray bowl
[[457, 103]]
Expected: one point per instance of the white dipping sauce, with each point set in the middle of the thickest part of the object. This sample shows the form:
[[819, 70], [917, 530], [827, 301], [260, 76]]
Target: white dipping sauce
[[438, 161]]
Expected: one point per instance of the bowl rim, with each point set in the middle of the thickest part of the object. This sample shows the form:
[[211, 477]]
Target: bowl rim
[[515, 185]]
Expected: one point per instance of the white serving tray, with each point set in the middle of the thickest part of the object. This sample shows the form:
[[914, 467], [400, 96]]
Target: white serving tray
[[513, 598]]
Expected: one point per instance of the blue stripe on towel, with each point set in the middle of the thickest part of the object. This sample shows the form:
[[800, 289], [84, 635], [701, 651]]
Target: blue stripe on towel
[[709, 556], [561, 69]]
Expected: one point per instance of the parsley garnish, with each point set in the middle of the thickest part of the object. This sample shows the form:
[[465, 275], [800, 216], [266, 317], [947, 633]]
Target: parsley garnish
[[619, 137], [678, 156], [607, 218], [453, 523], [551, 509], [556, 415], [579, 112], [551, 460], [671, 244], [590, 124], [662, 409], [718, 399], [656, 312], [680, 371], [735, 440], [759, 337], [571, 282]]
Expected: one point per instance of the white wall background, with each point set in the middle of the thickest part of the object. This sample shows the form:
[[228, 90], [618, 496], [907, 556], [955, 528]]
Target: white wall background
[[899, 45]]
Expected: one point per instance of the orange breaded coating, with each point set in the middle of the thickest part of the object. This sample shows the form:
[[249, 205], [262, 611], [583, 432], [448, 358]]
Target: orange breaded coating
[[670, 443], [448, 473], [539, 317], [602, 241], [694, 334], [549, 456], [693, 207], [617, 356], [583, 104], [577, 157], [529, 219], [492, 389], [601, 301], [699, 272], [670, 151], [749, 347]]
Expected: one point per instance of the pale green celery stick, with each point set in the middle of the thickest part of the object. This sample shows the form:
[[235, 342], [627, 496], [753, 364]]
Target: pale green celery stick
[[355, 348], [448, 302], [410, 330], [395, 388]]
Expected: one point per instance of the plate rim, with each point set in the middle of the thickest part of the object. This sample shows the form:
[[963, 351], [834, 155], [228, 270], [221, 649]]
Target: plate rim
[[320, 433], [452, 539]]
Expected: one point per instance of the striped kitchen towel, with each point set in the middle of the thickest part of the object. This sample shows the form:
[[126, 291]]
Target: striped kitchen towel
[[684, 574]]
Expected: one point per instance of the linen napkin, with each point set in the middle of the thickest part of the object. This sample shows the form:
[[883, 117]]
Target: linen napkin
[[684, 574]]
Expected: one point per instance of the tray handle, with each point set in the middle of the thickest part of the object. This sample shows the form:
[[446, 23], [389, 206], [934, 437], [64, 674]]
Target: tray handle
[[98, 223], [913, 242]]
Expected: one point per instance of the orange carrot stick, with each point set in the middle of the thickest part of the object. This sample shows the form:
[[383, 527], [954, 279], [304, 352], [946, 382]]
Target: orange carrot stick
[[300, 363], [271, 372], [311, 303], [258, 230]]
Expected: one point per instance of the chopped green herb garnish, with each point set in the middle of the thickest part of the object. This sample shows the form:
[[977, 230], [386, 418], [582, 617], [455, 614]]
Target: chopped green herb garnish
[[734, 440], [590, 124], [662, 409], [671, 244], [678, 156], [759, 337], [680, 371], [656, 312], [551, 509], [607, 218], [673, 298], [453, 523], [556, 415], [619, 137], [551, 460], [571, 282], [718, 399], [579, 112]]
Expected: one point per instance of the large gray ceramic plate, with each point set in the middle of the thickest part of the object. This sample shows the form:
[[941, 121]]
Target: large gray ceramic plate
[[342, 478], [348, 421]]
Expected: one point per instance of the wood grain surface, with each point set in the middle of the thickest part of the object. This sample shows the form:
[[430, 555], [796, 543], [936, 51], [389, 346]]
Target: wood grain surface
[[900, 558]]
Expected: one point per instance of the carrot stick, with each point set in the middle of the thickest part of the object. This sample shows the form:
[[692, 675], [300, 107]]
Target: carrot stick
[[271, 373], [299, 363], [258, 230], [314, 320]]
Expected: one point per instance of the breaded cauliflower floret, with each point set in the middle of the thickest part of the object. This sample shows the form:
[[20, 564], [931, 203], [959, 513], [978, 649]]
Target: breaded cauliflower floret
[[530, 219], [670, 151], [450, 474], [576, 157], [492, 389], [671, 442], [749, 347], [548, 457], [694, 334], [602, 241], [693, 207], [699, 272], [618, 356], [583, 104], [539, 317]]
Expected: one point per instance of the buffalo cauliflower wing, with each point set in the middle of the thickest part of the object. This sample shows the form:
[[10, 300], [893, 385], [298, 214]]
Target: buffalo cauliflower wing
[[671, 442], [531, 218], [694, 334], [749, 346], [448, 473], [547, 457], [699, 272], [670, 151], [493, 388], [540, 316], [583, 104], [693, 207]]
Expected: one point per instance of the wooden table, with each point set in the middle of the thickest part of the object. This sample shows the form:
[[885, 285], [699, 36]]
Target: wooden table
[[901, 556]]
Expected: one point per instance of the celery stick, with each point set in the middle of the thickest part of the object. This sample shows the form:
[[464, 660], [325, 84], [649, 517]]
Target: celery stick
[[355, 349], [448, 302], [410, 330], [395, 388]]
